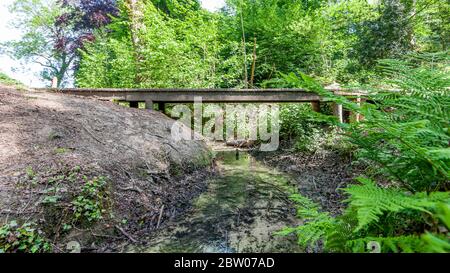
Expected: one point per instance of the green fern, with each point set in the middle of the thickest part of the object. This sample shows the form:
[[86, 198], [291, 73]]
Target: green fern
[[436, 243], [316, 224], [372, 201], [404, 139], [404, 244], [439, 243]]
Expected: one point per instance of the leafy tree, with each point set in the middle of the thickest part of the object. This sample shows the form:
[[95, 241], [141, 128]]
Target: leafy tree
[[54, 31], [389, 35], [287, 35], [86, 16], [144, 47], [44, 40], [177, 8], [89, 15], [431, 22]]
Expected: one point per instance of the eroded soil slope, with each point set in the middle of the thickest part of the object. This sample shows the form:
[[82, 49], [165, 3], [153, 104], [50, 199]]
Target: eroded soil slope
[[64, 160]]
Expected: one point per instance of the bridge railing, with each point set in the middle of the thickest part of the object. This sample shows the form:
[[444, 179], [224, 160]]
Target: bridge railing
[[163, 96]]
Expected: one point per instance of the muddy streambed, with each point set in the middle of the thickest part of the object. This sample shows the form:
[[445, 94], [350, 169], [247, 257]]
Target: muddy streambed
[[244, 205]]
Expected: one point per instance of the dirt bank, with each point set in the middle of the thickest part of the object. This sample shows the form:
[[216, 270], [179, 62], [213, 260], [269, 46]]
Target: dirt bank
[[91, 171]]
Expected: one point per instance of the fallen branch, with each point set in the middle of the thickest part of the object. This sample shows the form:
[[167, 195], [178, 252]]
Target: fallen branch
[[92, 135], [126, 234], [160, 216], [18, 212], [130, 189]]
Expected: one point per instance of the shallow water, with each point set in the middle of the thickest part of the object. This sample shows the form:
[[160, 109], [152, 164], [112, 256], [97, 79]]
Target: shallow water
[[240, 211]]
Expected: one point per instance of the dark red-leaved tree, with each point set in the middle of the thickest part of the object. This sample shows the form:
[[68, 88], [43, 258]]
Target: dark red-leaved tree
[[76, 26]]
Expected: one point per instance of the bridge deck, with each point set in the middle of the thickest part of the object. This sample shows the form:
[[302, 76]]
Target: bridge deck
[[207, 95]]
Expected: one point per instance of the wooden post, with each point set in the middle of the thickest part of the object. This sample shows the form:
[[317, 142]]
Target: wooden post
[[149, 105], [315, 106], [358, 116], [338, 112], [134, 104]]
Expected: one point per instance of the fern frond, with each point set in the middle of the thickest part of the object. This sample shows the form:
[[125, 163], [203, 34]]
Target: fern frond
[[441, 154], [372, 201], [306, 209], [316, 224], [404, 244], [311, 232], [436, 243], [439, 243]]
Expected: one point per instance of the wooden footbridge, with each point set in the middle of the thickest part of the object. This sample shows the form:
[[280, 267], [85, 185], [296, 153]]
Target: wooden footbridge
[[161, 97]]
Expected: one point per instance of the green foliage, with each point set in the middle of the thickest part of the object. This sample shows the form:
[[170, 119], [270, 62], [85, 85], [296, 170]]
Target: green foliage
[[404, 140], [89, 205], [295, 31], [406, 132], [177, 8], [173, 52], [41, 38], [387, 35], [345, 234], [54, 191], [183, 45], [22, 238], [317, 224], [439, 243], [71, 199], [404, 244], [371, 201], [335, 40], [295, 121], [436, 243], [432, 25], [6, 80], [31, 174]]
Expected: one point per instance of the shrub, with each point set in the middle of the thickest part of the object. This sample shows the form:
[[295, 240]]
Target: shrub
[[89, 205], [24, 238]]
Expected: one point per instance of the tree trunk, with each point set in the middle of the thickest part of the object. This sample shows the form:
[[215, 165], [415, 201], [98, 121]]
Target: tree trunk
[[135, 10], [252, 77]]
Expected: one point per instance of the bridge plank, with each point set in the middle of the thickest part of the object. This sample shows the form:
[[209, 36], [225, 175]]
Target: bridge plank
[[206, 95]]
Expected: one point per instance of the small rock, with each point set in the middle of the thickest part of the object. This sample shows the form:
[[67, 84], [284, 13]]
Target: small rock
[[73, 247]]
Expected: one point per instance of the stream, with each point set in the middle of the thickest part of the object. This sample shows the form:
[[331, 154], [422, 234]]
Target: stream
[[244, 205]]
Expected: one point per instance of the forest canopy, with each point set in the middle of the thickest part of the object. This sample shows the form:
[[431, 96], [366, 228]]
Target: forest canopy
[[177, 43]]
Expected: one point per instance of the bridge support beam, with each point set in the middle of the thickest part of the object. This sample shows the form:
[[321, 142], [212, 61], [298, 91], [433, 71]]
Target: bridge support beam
[[315, 106], [134, 104], [338, 112], [356, 117], [359, 117], [149, 105], [162, 107]]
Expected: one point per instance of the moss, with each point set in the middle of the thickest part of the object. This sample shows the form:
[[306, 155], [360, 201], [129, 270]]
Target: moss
[[204, 159], [176, 169], [61, 150]]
